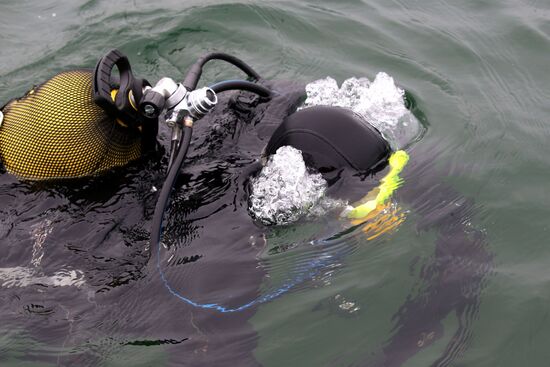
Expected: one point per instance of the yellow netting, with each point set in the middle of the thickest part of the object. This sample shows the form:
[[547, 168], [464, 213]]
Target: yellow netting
[[57, 131]]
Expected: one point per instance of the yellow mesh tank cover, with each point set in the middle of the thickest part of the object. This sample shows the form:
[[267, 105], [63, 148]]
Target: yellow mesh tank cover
[[57, 131]]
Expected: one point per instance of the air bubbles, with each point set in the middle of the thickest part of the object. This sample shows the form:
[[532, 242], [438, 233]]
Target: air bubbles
[[286, 190], [380, 102]]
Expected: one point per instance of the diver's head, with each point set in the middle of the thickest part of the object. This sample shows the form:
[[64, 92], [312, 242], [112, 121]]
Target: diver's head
[[331, 138], [307, 154]]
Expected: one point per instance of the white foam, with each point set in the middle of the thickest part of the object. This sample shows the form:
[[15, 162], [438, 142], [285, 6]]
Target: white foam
[[285, 190], [21, 276], [381, 103], [39, 233]]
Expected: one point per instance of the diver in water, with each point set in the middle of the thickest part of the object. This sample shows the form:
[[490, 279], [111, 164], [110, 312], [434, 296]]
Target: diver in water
[[84, 123]]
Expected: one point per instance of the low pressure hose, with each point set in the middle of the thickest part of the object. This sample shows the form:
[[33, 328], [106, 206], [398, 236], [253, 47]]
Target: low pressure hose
[[241, 85], [164, 195], [193, 75], [184, 146]]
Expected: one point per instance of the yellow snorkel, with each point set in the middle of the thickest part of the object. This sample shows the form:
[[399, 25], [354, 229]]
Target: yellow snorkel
[[383, 192]]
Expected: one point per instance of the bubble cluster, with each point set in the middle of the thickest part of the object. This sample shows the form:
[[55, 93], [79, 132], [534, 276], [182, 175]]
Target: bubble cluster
[[380, 102], [286, 190]]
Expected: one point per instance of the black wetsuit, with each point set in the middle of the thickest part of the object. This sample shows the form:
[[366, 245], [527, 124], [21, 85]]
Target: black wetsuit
[[100, 226]]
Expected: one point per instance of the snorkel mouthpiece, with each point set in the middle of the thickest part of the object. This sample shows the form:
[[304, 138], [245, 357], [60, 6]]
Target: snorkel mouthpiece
[[388, 185]]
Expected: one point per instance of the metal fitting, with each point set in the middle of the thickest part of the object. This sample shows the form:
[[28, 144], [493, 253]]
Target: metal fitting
[[174, 117], [176, 134], [176, 97], [188, 121], [195, 105], [173, 92], [200, 102], [149, 111], [166, 87], [1, 118]]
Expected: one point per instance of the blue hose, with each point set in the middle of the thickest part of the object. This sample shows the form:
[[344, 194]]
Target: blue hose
[[307, 272], [312, 269]]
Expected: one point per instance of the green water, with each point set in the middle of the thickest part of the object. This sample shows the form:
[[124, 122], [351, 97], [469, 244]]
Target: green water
[[479, 72]]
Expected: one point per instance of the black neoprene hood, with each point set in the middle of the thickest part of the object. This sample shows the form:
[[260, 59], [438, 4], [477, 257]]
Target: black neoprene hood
[[331, 138]]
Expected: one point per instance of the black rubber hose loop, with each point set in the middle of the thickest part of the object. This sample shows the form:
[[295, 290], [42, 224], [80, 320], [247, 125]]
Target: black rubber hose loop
[[241, 85], [193, 75]]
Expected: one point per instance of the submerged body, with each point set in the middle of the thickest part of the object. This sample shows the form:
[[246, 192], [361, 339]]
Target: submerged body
[[213, 244]]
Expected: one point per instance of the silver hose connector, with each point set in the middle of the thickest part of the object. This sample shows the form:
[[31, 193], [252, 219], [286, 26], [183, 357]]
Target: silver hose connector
[[195, 104], [200, 102]]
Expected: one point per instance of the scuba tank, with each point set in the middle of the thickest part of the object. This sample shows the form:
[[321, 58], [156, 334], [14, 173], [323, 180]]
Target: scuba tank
[[78, 123]]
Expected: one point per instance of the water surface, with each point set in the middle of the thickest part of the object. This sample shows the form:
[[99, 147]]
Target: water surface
[[460, 281]]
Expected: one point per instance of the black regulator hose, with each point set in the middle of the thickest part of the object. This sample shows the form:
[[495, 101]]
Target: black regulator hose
[[241, 85], [175, 168], [164, 196], [193, 75]]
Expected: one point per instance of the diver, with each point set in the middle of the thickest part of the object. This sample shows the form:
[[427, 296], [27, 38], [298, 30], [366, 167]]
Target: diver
[[86, 122]]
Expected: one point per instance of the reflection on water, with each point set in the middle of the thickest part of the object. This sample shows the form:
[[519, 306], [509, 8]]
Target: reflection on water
[[21, 276], [445, 282]]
